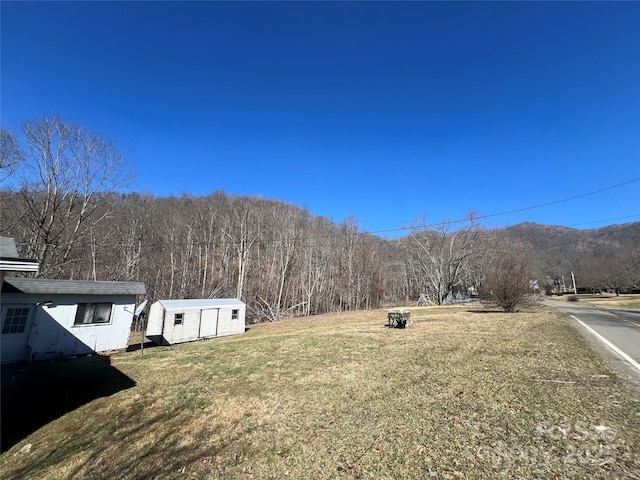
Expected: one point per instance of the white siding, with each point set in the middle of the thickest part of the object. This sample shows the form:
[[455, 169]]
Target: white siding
[[193, 314], [229, 326], [186, 332], [53, 333], [154, 322], [84, 338]]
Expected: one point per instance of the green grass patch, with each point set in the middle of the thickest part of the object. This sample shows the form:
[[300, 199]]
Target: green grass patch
[[463, 393]]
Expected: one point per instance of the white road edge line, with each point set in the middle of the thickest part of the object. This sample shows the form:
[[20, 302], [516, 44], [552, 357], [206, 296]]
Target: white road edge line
[[626, 357]]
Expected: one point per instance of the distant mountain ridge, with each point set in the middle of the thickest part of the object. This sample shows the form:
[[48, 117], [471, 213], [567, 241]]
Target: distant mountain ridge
[[561, 250], [539, 235]]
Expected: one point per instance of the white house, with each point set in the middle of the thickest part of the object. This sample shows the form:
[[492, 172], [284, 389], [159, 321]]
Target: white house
[[176, 321], [53, 318]]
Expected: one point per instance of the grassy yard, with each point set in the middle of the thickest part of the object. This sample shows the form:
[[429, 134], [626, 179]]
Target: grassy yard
[[606, 300], [464, 393]]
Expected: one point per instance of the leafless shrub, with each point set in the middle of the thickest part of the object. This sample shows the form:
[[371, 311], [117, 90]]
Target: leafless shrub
[[508, 283]]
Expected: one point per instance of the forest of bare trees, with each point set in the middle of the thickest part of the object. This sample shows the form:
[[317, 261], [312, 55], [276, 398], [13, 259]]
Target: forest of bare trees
[[63, 201], [278, 258]]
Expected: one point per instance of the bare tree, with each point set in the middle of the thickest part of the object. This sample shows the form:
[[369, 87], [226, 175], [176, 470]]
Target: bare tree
[[127, 236], [441, 253], [284, 246], [11, 154], [243, 232], [348, 263], [65, 172]]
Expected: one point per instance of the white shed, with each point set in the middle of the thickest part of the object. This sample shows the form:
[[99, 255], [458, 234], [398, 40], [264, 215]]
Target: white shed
[[44, 318], [177, 321]]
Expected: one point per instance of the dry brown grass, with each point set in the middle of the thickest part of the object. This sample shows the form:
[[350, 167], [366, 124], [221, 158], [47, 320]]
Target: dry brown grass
[[603, 300], [464, 393], [627, 301]]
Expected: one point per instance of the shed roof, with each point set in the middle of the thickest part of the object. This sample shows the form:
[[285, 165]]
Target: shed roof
[[70, 287], [200, 302]]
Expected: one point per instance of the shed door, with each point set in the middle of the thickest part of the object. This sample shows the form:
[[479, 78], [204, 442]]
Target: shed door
[[209, 323], [17, 320]]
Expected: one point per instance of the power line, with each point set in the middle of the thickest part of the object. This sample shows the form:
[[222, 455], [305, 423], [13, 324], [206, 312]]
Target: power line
[[603, 220], [524, 209], [480, 217], [399, 229]]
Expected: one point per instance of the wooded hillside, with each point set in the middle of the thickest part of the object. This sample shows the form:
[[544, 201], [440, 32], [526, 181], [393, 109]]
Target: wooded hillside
[[59, 204], [607, 257], [281, 259]]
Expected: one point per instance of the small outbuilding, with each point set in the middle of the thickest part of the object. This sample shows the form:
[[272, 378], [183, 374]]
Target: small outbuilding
[[43, 319], [177, 321]]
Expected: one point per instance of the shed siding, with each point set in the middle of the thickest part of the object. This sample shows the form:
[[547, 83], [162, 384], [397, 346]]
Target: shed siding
[[155, 320], [186, 332], [229, 326], [196, 324]]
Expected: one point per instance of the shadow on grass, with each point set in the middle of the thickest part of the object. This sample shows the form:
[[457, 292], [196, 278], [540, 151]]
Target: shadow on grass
[[35, 394], [167, 427], [134, 347]]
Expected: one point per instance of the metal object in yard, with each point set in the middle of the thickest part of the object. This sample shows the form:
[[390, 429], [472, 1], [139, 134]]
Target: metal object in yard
[[399, 318]]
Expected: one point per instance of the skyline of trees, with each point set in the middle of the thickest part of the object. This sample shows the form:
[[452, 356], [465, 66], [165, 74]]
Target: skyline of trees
[[67, 211], [289, 261]]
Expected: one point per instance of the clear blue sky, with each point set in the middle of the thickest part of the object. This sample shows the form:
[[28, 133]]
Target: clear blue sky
[[381, 111]]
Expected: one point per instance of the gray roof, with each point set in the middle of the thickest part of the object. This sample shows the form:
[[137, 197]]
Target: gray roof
[[8, 248], [10, 261], [200, 302], [71, 287]]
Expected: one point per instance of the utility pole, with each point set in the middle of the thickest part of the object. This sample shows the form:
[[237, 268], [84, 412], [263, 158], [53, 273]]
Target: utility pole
[[573, 279]]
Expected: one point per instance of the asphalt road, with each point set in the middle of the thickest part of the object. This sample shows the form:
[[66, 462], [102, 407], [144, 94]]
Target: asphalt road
[[615, 331]]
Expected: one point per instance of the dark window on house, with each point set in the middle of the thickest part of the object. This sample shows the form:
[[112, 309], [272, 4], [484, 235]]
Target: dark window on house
[[93, 313], [178, 318], [234, 314], [16, 320]]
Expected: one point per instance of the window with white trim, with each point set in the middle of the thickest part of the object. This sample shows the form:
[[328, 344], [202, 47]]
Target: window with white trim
[[235, 314], [178, 318], [93, 313], [16, 320]]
